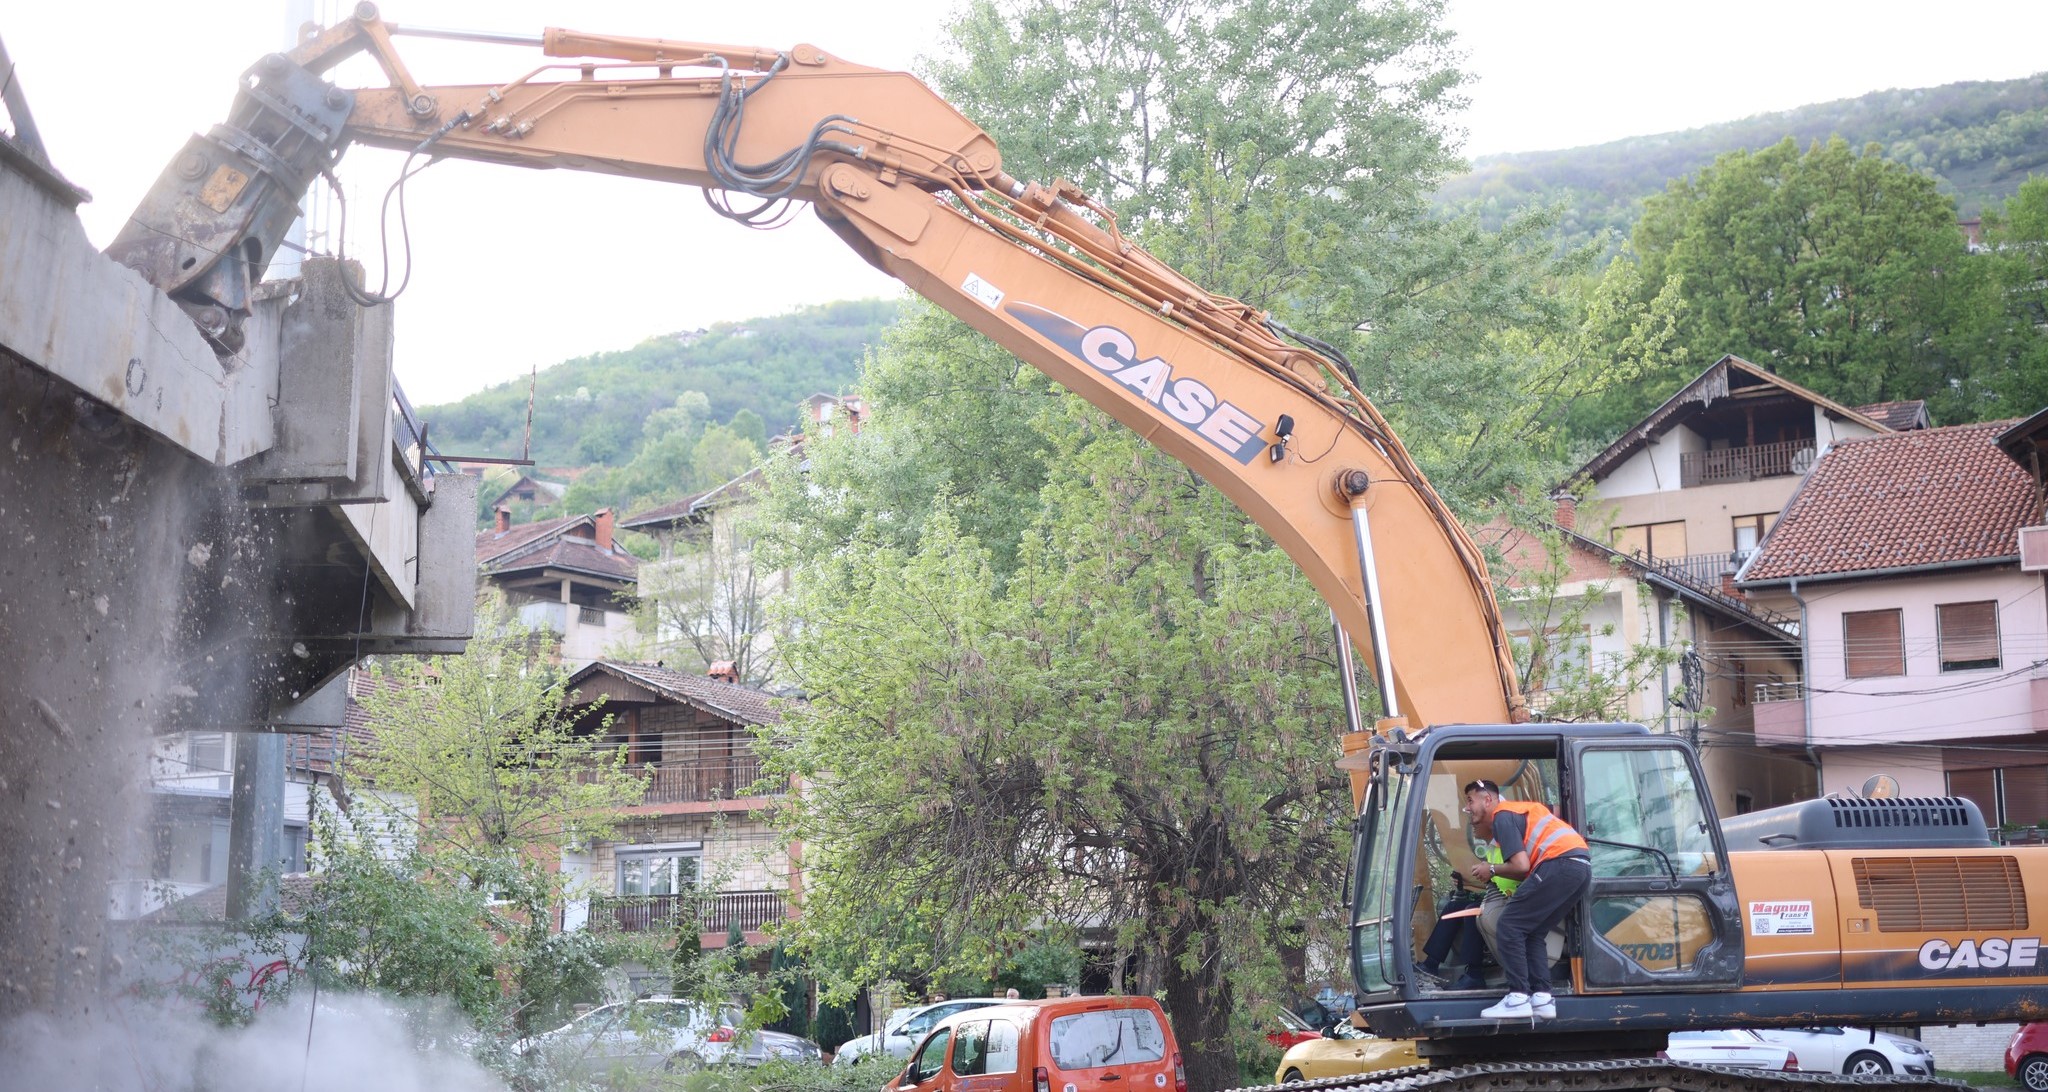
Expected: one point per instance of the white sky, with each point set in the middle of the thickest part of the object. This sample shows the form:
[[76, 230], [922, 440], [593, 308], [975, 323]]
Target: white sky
[[515, 268]]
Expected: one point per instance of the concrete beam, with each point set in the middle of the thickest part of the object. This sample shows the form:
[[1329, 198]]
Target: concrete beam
[[72, 312]]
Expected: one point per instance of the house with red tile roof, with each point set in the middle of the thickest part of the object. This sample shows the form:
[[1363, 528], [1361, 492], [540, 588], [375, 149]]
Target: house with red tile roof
[[1657, 524], [701, 828], [1924, 639], [568, 576], [1611, 601]]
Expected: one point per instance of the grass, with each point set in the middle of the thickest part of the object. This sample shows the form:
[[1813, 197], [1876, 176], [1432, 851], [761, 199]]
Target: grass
[[1981, 1078]]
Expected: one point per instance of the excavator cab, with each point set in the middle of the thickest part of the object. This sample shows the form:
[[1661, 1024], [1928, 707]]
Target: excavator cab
[[1661, 916]]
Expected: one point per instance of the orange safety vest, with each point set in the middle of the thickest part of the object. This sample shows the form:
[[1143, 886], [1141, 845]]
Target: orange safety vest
[[1544, 835]]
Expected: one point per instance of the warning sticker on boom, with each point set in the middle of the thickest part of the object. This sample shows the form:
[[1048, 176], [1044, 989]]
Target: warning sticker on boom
[[1773, 919]]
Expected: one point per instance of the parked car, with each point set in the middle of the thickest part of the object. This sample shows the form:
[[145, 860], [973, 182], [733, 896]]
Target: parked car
[[1285, 1027], [2026, 1057], [1075, 1044], [1731, 1048], [1853, 1050], [794, 1048], [905, 1027], [1343, 1050], [628, 1039]]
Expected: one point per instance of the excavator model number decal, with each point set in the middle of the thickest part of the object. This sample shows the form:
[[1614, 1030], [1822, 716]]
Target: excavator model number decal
[[1995, 952], [1187, 401]]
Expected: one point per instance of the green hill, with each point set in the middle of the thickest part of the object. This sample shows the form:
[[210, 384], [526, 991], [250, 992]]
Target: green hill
[[1980, 139], [590, 410]]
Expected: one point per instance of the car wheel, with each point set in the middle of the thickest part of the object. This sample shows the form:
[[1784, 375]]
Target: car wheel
[[1293, 1076], [2033, 1072], [1865, 1064], [682, 1062]]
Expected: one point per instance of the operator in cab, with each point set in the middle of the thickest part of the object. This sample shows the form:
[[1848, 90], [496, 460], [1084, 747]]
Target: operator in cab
[[1554, 868]]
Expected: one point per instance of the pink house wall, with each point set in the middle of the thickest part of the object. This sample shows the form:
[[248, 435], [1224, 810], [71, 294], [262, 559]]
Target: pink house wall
[[1874, 711]]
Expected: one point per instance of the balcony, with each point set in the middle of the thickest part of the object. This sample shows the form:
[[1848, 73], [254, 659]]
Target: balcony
[[1778, 714], [1745, 464], [698, 781], [718, 913]]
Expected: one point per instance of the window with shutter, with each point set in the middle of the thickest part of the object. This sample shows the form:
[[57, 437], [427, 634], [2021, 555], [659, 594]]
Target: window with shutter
[[1978, 786], [1873, 644], [2026, 794], [1969, 635]]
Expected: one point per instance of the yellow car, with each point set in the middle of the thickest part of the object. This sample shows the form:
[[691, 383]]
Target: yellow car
[[1342, 1052]]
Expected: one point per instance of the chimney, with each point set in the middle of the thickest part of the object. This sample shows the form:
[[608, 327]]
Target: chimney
[[604, 528], [504, 519], [1567, 510], [724, 671]]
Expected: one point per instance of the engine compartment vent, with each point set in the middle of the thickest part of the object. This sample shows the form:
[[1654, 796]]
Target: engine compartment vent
[[1909, 822], [1942, 894], [1917, 812]]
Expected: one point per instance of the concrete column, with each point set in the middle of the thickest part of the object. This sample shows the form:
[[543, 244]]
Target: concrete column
[[256, 825]]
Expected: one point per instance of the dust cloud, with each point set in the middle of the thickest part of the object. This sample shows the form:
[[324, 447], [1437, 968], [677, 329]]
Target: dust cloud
[[357, 1042]]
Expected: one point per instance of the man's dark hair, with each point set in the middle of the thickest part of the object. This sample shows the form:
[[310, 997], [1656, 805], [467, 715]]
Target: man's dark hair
[[1482, 784]]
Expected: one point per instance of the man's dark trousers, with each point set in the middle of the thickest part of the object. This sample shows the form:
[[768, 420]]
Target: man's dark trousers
[[1537, 906]]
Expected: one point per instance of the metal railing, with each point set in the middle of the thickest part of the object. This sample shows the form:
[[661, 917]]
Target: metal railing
[[716, 913], [1705, 573], [1780, 691], [691, 781], [1745, 464], [1700, 570]]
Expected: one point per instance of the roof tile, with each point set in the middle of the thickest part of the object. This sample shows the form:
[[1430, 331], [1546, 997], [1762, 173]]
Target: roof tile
[[741, 703], [1906, 500]]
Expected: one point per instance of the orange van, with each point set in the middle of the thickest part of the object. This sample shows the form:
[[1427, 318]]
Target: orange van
[[1061, 1044]]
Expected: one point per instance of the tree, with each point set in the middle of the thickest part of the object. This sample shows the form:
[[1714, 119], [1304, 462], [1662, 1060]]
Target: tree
[[477, 759], [2015, 372], [1135, 732], [484, 743], [1286, 155], [711, 600], [1843, 272]]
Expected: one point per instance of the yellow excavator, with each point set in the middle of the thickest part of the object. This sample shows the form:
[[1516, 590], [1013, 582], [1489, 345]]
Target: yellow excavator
[[1900, 912]]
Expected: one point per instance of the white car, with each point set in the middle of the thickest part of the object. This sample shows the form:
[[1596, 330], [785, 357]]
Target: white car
[[1729, 1048], [1854, 1051], [904, 1028], [652, 1035]]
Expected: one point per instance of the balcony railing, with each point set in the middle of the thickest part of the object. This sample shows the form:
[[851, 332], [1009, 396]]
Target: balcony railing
[[715, 913], [1780, 691], [690, 781], [1700, 570], [1745, 464]]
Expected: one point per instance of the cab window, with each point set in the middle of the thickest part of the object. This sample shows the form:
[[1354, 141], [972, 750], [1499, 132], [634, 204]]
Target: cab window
[[1644, 814], [931, 1058]]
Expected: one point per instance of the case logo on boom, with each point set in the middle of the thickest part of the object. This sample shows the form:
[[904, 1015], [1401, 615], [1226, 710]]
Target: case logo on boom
[[1188, 401], [1990, 954]]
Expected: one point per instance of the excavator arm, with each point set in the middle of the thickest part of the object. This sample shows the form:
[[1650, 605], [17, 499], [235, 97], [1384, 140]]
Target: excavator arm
[[919, 191]]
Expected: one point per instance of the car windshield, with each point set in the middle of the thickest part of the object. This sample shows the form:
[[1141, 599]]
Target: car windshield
[[1087, 1040], [1289, 1020]]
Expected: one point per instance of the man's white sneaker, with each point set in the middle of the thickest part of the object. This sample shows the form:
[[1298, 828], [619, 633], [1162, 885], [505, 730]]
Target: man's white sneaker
[[1543, 1005], [1514, 1006]]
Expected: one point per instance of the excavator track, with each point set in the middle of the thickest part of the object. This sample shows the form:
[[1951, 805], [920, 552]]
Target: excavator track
[[1620, 1075]]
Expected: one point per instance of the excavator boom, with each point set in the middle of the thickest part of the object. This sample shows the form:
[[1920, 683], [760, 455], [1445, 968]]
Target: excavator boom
[[919, 191]]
